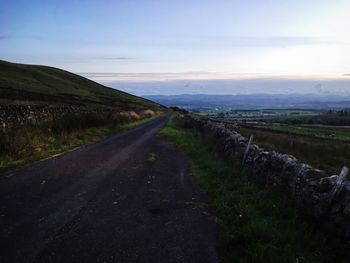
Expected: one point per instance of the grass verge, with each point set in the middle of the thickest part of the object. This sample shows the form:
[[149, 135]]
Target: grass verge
[[257, 224], [38, 145]]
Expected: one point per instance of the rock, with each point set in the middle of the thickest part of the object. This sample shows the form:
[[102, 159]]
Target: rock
[[346, 210], [335, 208]]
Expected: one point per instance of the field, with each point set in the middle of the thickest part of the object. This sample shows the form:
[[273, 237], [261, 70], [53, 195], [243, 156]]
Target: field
[[331, 118], [258, 115], [329, 155], [317, 131]]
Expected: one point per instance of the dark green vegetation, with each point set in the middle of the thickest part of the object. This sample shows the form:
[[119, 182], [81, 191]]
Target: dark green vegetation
[[325, 154], [31, 143], [258, 225], [337, 118], [19, 82], [318, 131]]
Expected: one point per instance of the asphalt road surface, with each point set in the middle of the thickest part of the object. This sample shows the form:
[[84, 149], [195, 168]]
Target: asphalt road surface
[[128, 198]]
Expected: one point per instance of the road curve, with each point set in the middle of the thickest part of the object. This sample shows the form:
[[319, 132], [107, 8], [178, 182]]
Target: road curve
[[107, 202]]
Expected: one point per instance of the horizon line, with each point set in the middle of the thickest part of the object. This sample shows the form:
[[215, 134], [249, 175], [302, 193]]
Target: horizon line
[[205, 76]]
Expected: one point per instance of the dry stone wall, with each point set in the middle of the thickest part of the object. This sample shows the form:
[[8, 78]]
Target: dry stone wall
[[325, 198], [16, 115]]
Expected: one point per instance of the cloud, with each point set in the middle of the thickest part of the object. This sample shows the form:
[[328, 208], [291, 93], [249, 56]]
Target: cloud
[[347, 74], [117, 58], [6, 37], [278, 41], [220, 41], [205, 76], [102, 76], [164, 74]]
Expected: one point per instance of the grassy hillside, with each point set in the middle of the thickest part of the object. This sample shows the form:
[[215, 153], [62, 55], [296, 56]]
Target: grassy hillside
[[41, 83]]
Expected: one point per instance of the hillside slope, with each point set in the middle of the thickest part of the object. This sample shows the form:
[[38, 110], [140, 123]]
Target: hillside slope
[[22, 82]]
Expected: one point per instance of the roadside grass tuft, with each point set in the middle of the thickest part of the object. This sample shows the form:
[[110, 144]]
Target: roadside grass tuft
[[152, 157], [258, 224]]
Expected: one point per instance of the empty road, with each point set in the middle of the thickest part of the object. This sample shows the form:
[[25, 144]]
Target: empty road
[[128, 198]]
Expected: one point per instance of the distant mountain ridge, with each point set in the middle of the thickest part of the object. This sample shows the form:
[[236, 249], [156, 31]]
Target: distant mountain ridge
[[249, 101], [21, 82]]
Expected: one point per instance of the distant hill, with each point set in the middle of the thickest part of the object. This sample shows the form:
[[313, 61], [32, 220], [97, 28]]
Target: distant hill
[[254, 101], [33, 83]]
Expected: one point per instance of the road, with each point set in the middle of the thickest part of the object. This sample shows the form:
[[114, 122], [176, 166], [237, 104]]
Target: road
[[128, 198]]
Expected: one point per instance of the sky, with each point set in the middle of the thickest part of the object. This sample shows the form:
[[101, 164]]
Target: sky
[[186, 46]]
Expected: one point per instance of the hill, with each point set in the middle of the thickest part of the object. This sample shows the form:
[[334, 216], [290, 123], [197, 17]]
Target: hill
[[23, 82]]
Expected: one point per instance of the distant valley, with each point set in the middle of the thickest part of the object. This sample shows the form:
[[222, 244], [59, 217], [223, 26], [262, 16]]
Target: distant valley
[[253, 101]]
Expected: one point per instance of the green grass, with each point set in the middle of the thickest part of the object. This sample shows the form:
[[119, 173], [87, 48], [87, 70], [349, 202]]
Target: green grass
[[317, 131], [152, 157], [35, 144], [335, 154], [334, 119], [20, 82], [258, 225]]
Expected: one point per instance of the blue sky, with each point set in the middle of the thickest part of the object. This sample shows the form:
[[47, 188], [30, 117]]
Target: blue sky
[[144, 41]]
